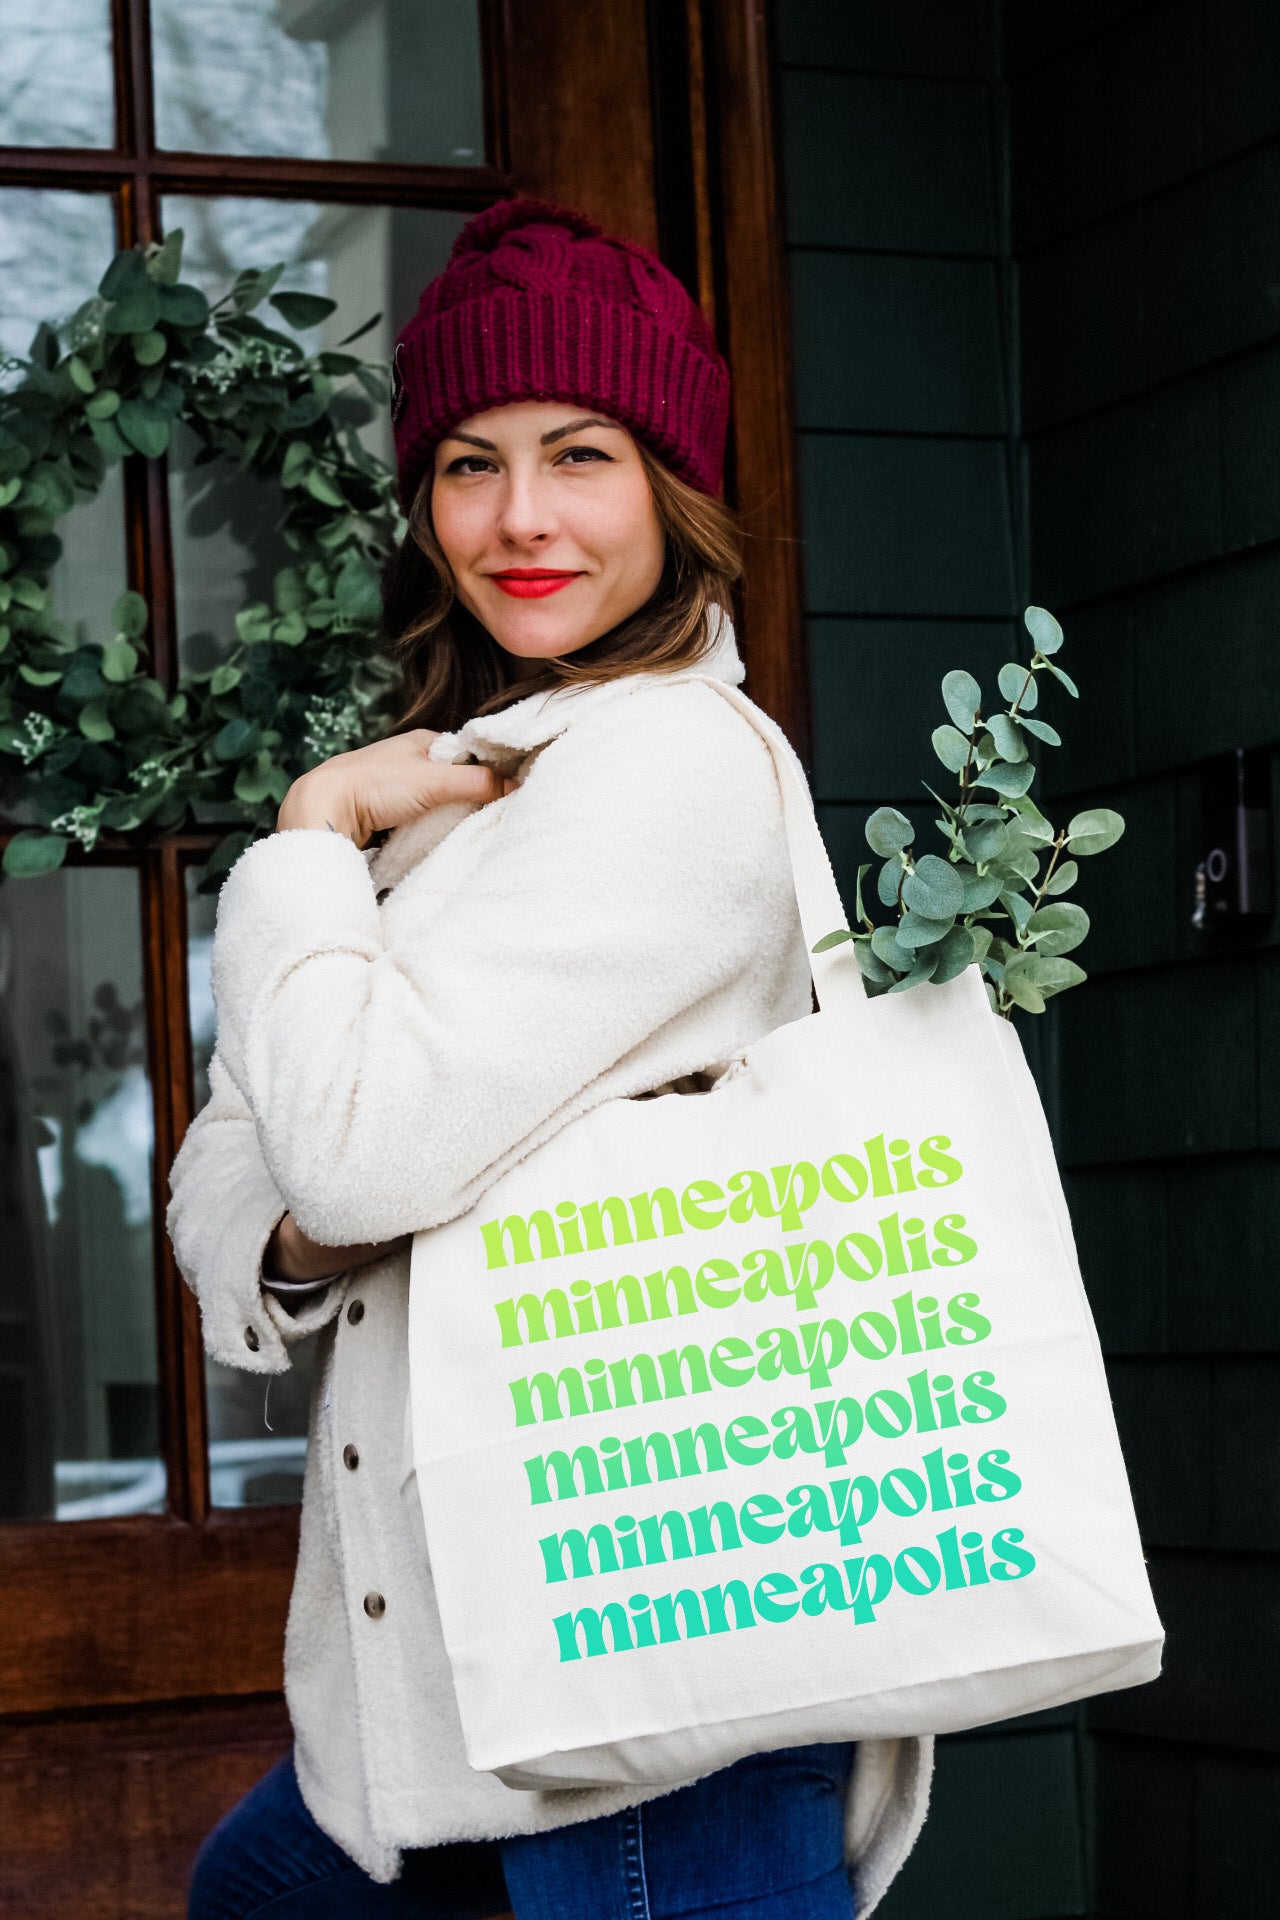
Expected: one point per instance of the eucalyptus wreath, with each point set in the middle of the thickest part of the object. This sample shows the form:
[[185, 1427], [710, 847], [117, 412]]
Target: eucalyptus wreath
[[996, 897], [92, 740]]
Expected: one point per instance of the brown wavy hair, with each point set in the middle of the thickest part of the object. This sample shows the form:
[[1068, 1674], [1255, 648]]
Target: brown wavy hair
[[452, 666]]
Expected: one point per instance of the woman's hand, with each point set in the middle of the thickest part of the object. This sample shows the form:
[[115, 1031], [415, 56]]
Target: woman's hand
[[290, 1255], [384, 785]]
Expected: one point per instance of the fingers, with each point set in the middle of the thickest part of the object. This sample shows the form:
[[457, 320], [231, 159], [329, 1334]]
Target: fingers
[[475, 783]]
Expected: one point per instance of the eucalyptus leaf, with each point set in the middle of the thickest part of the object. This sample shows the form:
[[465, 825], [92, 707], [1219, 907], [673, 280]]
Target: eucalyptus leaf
[[1094, 831], [225, 678], [872, 969], [126, 274], [934, 890], [238, 738], [915, 931], [183, 306], [1065, 678], [888, 880], [888, 831], [32, 853], [951, 747], [303, 310], [145, 426], [1043, 628], [1017, 683], [955, 953], [860, 912], [1058, 928], [321, 488], [1017, 908], [830, 940], [253, 623], [1030, 823], [987, 841], [129, 615], [1042, 730], [1018, 983], [119, 660], [1011, 781], [981, 938], [1063, 878], [95, 722], [962, 697], [1010, 744], [982, 891], [135, 312], [149, 348], [924, 969], [1043, 976], [356, 591], [164, 262], [886, 948]]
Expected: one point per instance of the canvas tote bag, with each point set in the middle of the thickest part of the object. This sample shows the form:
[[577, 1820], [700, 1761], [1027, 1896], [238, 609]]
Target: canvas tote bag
[[776, 1413]]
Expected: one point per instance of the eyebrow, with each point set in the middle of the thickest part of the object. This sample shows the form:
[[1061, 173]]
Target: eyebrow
[[547, 440]]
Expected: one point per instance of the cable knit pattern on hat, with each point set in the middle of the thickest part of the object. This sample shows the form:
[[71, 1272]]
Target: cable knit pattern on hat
[[537, 303]]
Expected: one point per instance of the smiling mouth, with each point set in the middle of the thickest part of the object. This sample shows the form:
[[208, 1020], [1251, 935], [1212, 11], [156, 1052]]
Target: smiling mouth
[[532, 583]]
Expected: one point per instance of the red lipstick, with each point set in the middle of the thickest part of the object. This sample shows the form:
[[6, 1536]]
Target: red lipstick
[[532, 583]]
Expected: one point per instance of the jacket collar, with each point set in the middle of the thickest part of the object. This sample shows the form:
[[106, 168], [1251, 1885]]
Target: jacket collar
[[496, 737], [503, 740]]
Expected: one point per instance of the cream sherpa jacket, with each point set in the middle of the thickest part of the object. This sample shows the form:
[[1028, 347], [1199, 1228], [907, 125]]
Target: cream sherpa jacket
[[397, 1029]]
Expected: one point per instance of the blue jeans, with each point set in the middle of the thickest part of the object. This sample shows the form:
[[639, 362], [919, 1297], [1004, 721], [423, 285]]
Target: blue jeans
[[760, 1840]]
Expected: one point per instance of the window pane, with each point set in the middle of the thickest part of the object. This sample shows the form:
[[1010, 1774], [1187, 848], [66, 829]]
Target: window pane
[[55, 73], [324, 79], [79, 1396], [54, 249], [226, 544], [257, 1433]]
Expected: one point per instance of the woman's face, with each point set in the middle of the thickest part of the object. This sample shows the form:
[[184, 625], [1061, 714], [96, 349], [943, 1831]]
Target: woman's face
[[545, 515]]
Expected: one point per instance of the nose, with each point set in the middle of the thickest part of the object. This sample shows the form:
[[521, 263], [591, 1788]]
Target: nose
[[526, 516]]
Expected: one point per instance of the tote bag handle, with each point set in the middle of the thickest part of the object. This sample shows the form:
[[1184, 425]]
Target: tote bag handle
[[837, 978]]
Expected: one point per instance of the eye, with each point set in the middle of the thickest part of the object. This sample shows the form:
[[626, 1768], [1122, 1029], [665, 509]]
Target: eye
[[582, 456], [471, 463]]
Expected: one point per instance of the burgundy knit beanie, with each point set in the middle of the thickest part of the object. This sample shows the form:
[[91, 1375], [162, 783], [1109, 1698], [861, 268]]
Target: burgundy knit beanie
[[537, 303]]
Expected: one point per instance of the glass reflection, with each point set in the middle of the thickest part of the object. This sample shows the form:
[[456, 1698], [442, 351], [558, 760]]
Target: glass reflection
[[257, 1432], [392, 80], [55, 73], [79, 1386], [371, 260], [55, 247]]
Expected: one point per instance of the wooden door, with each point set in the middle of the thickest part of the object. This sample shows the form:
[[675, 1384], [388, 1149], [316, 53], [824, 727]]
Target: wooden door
[[141, 1629]]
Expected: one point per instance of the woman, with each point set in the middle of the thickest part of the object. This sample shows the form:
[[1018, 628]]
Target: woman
[[585, 895]]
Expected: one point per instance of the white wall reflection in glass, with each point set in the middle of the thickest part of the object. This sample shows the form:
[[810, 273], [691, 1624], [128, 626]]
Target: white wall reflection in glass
[[55, 73], [396, 80]]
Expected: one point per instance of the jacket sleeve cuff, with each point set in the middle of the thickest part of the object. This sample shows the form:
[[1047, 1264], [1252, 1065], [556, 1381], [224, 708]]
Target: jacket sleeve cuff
[[289, 898], [316, 1310]]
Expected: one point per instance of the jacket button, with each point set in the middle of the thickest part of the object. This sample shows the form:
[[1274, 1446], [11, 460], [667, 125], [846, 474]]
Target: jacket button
[[350, 1458], [251, 1339], [355, 1312], [374, 1605]]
